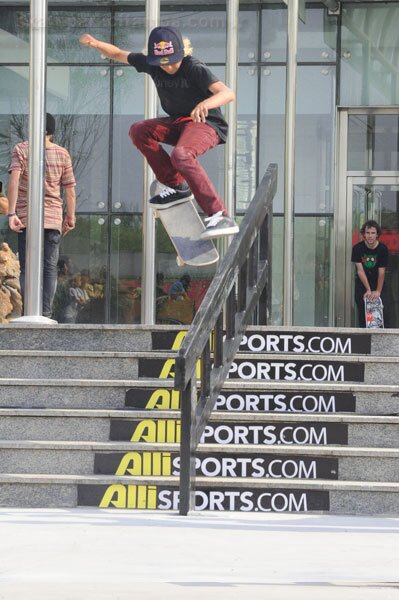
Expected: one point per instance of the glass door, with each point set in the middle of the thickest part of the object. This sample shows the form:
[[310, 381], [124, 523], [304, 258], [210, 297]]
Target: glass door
[[367, 188], [377, 198]]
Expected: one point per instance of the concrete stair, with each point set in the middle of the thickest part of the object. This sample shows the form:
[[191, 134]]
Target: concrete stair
[[308, 421]]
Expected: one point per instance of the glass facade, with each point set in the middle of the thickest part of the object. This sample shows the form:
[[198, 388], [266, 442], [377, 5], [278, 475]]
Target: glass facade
[[341, 60]]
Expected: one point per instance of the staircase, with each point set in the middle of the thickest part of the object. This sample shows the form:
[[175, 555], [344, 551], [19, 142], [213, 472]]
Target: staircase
[[307, 422]]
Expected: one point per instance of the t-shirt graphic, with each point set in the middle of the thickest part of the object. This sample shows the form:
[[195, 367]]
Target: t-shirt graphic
[[369, 261]]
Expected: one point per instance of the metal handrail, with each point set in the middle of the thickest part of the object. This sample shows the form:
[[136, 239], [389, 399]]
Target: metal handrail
[[240, 286]]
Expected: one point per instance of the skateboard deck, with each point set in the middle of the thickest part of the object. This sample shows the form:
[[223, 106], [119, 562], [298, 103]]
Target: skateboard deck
[[374, 314], [184, 227]]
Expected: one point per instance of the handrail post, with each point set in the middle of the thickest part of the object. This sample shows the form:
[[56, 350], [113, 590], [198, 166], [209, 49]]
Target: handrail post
[[187, 447]]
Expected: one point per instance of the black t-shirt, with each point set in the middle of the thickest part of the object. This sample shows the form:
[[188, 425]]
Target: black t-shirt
[[372, 259], [181, 92]]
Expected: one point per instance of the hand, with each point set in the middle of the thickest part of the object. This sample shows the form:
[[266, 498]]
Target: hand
[[88, 40], [374, 295], [199, 113], [68, 224], [15, 224]]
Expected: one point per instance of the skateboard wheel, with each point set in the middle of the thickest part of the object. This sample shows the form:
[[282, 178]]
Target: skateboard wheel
[[180, 262]]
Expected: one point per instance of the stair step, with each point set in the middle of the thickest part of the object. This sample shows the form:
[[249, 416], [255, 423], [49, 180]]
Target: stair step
[[48, 364], [322, 496], [323, 340], [288, 368], [80, 337], [86, 458], [236, 396]]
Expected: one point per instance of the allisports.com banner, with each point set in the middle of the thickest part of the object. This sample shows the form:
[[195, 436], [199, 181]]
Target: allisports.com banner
[[169, 430], [256, 465], [274, 370], [158, 497], [276, 341], [253, 401]]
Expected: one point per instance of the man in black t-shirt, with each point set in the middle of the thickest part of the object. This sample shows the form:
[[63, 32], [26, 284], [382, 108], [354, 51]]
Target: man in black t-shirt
[[371, 259], [192, 96]]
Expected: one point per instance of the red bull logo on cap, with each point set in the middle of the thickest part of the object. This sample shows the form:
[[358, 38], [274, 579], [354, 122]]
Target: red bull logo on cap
[[162, 48]]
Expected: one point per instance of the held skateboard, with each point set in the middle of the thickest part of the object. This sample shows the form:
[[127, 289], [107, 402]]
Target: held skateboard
[[184, 227], [373, 310]]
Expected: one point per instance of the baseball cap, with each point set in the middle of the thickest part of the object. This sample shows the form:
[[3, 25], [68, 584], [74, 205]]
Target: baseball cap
[[50, 124], [165, 46]]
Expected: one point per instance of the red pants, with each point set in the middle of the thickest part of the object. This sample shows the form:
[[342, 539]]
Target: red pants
[[189, 140]]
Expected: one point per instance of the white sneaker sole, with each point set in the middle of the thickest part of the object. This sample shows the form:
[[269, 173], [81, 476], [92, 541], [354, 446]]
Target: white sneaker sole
[[174, 203], [210, 235]]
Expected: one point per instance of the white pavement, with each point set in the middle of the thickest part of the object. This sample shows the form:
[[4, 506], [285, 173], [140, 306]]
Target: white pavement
[[92, 554]]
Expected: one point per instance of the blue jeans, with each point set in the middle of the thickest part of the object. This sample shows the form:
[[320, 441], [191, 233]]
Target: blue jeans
[[52, 239]]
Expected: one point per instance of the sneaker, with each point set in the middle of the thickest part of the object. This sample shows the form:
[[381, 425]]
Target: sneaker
[[219, 225], [171, 196]]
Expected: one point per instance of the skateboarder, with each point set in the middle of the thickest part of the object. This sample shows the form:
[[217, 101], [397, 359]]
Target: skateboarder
[[371, 259], [192, 96]]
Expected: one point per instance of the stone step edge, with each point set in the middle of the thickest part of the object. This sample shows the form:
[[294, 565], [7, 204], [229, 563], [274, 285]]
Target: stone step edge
[[216, 416], [232, 449], [236, 482], [97, 327], [229, 384], [129, 383], [167, 355], [172, 327], [85, 354]]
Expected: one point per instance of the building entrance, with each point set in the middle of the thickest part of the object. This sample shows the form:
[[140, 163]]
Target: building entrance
[[368, 188]]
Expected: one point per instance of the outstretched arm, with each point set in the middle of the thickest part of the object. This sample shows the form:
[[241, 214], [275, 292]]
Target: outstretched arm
[[110, 51], [221, 95]]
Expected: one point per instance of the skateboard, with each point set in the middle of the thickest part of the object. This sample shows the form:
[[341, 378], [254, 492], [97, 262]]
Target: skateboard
[[184, 227], [374, 314]]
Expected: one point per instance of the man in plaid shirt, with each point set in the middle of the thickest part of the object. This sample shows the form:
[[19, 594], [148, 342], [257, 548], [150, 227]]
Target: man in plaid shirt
[[59, 173]]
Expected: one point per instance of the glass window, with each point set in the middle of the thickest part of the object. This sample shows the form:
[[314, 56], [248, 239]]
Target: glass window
[[272, 127], [315, 139], [312, 271], [274, 34], [314, 134], [316, 38], [65, 27], [79, 99], [205, 29], [373, 142], [247, 138], [127, 161], [125, 268], [312, 268], [248, 36], [277, 270], [14, 35], [129, 30], [82, 272], [14, 90], [369, 66]]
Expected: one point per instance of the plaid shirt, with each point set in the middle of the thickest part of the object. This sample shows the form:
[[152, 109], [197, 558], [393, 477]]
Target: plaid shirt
[[58, 173]]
